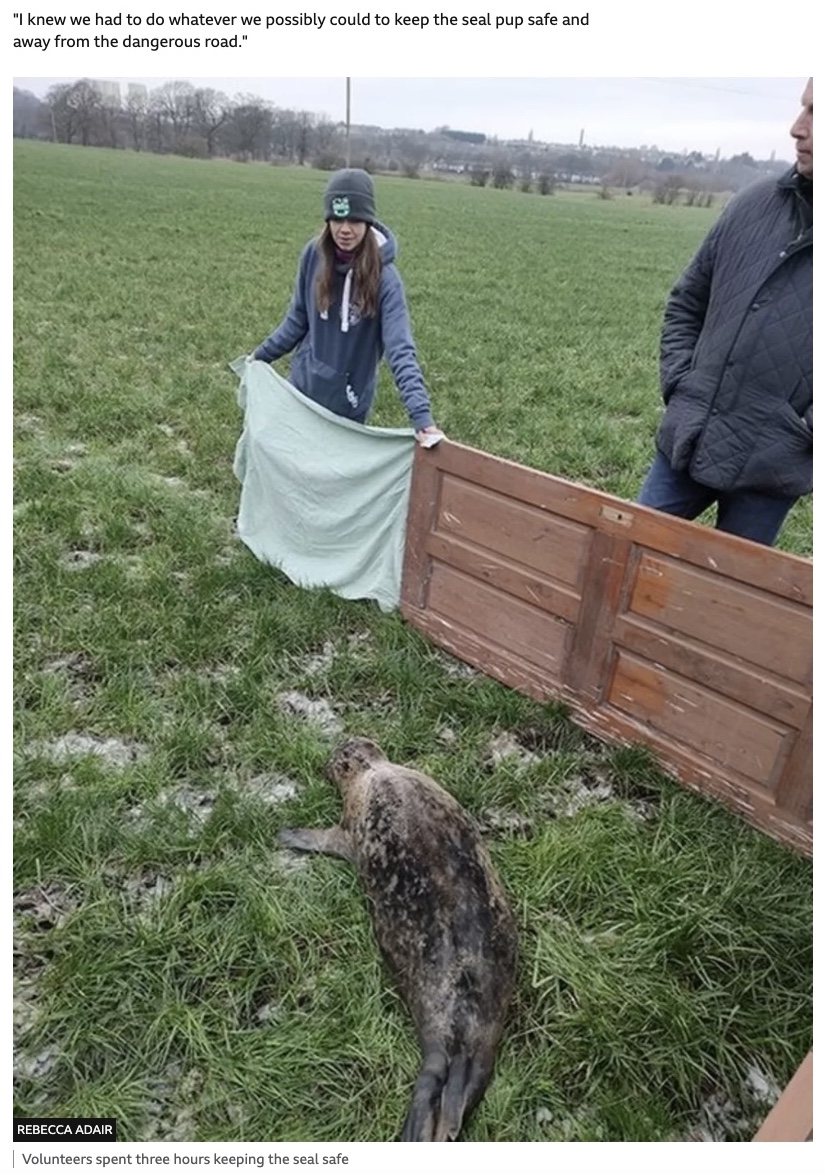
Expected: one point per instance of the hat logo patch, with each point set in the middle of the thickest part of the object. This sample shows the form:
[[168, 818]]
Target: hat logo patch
[[340, 207]]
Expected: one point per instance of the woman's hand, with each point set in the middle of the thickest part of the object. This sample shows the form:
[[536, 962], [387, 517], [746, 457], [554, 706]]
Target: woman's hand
[[430, 436]]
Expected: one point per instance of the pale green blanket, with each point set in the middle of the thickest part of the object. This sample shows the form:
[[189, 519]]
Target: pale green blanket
[[322, 498]]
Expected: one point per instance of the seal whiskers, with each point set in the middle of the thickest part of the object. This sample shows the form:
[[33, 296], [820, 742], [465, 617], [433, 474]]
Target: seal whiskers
[[441, 920]]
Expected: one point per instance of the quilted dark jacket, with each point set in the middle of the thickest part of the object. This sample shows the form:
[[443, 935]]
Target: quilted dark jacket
[[737, 349]]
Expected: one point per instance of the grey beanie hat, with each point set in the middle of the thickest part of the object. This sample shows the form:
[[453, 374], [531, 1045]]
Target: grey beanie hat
[[350, 195]]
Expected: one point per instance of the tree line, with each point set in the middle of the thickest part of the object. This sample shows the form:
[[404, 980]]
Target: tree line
[[180, 118], [176, 118]]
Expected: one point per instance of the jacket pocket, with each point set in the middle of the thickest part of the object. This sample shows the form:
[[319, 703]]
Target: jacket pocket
[[335, 390], [781, 461], [326, 386]]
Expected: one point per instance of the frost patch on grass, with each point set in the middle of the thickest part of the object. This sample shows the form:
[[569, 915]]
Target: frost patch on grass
[[25, 1010], [80, 560], [582, 792], [506, 745], [43, 907], [497, 822], [285, 861], [72, 454], [720, 1119], [456, 668], [322, 662], [359, 642], [36, 1066], [269, 1012], [726, 1118], [170, 1111], [595, 787], [641, 809], [70, 457], [272, 788], [117, 753], [171, 482], [197, 804], [80, 671], [133, 565], [35, 911], [762, 1086], [580, 1125], [319, 712], [29, 423], [220, 673], [76, 664], [142, 889]]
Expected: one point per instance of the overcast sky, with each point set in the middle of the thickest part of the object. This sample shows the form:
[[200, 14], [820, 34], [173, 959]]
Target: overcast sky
[[730, 114]]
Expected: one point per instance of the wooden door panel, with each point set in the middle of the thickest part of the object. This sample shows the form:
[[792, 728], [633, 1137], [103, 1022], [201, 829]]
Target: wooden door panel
[[652, 629]]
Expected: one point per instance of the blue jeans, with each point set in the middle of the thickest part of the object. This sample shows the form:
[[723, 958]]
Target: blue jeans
[[750, 515]]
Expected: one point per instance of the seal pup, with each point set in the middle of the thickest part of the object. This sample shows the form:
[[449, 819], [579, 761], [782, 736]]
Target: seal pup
[[441, 919]]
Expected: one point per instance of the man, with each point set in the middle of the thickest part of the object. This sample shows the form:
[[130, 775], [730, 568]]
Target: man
[[737, 358]]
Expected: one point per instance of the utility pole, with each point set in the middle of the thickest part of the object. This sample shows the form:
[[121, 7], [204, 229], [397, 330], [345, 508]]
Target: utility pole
[[348, 118]]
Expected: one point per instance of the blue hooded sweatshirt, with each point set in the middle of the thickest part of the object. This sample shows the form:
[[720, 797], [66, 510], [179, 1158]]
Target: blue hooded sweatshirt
[[336, 363]]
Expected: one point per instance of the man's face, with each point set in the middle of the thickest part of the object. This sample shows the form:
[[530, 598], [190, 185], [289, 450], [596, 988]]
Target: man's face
[[803, 131]]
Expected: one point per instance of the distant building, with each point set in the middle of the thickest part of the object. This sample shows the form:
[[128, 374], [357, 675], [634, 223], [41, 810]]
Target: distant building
[[109, 91]]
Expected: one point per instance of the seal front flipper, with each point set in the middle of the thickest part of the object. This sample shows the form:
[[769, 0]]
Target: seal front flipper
[[330, 841]]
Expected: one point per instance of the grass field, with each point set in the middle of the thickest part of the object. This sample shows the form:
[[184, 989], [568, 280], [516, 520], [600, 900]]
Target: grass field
[[175, 701]]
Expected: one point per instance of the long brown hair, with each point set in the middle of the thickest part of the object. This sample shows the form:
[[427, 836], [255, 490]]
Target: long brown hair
[[366, 274]]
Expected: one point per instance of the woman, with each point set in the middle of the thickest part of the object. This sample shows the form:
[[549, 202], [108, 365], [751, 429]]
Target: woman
[[348, 310]]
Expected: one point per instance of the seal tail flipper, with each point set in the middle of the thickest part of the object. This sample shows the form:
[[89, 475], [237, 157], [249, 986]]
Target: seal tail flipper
[[466, 1081], [425, 1106], [445, 1092]]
